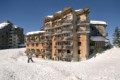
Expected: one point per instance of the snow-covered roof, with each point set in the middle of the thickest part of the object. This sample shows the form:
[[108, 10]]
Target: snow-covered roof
[[78, 9], [50, 16], [35, 32], [4, 24], [98, 22], [59, 12], [97, 38], [15, 26]]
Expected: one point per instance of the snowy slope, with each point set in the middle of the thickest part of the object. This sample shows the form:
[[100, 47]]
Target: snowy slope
[[14, 66]]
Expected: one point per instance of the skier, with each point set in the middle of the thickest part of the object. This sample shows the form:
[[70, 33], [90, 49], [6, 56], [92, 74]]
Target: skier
[[30, 56]]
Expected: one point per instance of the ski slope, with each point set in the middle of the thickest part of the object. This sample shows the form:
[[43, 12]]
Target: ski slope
[[14, 66]]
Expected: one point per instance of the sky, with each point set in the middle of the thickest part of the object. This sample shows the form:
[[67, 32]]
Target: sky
[[29, 14]]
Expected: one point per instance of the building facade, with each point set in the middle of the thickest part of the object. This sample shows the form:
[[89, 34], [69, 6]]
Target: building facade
[[11, 36], [69, 35]]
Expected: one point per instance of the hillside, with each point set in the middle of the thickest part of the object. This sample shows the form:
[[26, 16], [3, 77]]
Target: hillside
[[14, 66]]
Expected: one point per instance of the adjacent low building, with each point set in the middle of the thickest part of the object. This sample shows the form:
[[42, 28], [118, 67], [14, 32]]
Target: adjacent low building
[[11, 36], [68, 35]]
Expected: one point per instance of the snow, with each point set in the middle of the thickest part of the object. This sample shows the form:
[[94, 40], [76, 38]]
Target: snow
[[50, 16], [35, 32], [2, 25], [14, 66], [78, 9], [98, 22], [58, 11], [97, 38], [15, 26]]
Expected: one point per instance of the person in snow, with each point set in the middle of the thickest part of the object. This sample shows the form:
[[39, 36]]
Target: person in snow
[[30, 56]]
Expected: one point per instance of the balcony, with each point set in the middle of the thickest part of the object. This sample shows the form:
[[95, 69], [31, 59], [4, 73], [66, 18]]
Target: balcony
[[67, 30], [46, 46], [67, 47], [37, 40], [57, 25], [58, 39], [28, 42], [58, 46], [83, 31], [47, 27], [66, 22], [57, 33], [67, 38], [31, 41], [48, 34], [82, 23], [47, 40], [41, 40]]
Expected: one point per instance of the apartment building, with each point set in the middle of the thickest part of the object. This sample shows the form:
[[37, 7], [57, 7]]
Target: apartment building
[[70, 35], [11, 36], [35, 42]]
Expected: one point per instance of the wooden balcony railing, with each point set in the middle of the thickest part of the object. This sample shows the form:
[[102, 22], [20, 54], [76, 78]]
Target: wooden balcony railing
[[67, 46], [67, 38], [66, 21], [47, 27], [46, 46], [87, 30], [58, 46], [86, 22], [58, 39]]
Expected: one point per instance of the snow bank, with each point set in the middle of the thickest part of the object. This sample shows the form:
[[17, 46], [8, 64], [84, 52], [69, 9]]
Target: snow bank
[[98, 22], [104, 66]]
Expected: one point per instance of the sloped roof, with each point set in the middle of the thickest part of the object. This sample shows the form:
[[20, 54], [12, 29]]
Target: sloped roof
[[97, 38], [98, 22]]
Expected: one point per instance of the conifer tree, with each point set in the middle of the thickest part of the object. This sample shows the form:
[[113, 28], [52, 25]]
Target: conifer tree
[[116, 37]]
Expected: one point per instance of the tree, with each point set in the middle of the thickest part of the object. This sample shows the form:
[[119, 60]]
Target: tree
[[116, 37], [109, 45]]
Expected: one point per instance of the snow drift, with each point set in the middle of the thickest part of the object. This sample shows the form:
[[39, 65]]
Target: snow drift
[[14, 66]]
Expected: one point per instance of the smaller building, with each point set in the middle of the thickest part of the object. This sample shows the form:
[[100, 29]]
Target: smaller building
[[98, 35], [11, 36], [34, 42]]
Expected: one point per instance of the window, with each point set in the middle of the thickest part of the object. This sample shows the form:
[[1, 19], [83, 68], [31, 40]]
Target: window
[[36, 44], [78, 51], [9, 46], [55, 46], [27, 44], [68, 51], [79, 43], [2, 36], [10, 39]]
